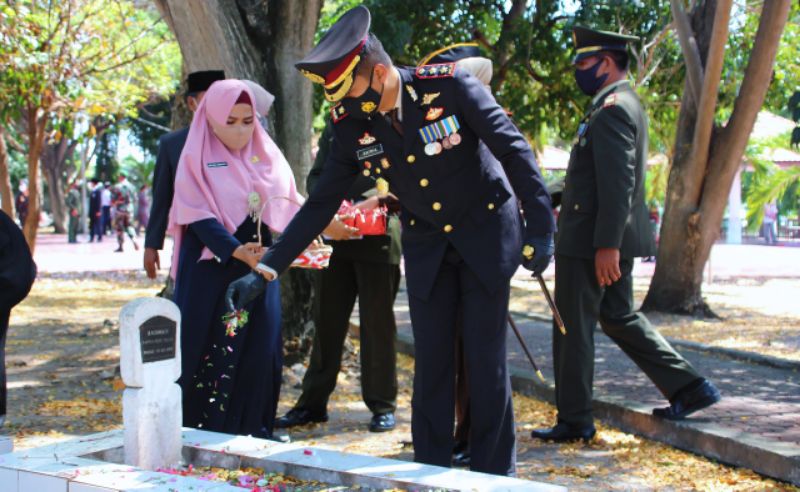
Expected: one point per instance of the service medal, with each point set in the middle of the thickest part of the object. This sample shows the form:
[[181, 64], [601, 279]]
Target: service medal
[[430, 149], [454, 139], [447, 144], [437, 148]]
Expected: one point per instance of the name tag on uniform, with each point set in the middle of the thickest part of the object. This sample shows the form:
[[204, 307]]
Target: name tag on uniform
[[370, 152], [217, 164], [582, 129]]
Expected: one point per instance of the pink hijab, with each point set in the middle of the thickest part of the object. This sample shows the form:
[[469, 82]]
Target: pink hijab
[[214, 182]]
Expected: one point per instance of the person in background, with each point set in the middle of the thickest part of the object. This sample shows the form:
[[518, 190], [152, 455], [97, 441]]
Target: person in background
[[73, 203], [142, 208], [602, 227], [124, 202], [105, 207], [170, 147], [22, 203], [17, 273], [770, 220], [95, 211], [367, 268]]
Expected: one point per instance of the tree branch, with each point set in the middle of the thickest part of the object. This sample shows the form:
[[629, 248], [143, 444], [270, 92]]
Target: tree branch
[[706, 108], [691, 54], [733, 138]]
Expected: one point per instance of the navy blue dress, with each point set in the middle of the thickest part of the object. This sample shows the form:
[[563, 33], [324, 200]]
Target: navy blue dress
[[230, 384]]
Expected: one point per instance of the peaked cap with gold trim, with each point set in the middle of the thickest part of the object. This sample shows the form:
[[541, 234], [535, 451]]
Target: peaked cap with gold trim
[[451, 53], [589, 42], [332, 62]]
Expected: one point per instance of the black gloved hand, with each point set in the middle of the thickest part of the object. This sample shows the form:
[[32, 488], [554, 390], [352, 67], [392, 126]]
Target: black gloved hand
[[537, 252], [243, 290]]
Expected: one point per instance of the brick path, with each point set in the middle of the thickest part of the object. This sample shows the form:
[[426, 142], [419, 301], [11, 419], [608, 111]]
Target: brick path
[[757, 425]]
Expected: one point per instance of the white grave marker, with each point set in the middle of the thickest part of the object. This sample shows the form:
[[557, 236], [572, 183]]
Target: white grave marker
[[149, 333]]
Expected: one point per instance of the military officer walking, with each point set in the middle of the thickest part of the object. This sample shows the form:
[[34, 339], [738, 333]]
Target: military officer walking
[[366, 268], [459, 167], [602, 226], [73, 203]]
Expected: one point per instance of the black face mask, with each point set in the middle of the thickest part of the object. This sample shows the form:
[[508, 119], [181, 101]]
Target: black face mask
[[587, 79], [365, 105]]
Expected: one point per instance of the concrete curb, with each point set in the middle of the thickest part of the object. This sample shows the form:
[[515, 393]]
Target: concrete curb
[[701, 438], [743, 355]]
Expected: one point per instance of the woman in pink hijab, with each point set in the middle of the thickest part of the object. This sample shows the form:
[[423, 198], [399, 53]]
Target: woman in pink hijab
[[231, 180]]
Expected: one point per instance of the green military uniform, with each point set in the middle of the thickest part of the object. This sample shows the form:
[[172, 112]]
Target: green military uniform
[[603, 207], [73, 202], [366, 268]]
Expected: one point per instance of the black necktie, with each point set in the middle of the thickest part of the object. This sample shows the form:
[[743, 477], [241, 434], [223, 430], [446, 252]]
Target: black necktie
[[398, 127]]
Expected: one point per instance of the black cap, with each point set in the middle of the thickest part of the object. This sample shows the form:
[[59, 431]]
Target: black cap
[[589, 42], [334, 59], [452, 53], [201, 81]]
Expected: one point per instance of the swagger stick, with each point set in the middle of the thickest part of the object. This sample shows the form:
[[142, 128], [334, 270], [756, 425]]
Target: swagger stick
[[553, 308], [524, 347]]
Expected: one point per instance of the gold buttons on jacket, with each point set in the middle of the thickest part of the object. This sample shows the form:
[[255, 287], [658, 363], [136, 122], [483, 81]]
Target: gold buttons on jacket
[[490, 206], [448, 228], [577, 206], [423, 182], [437, 206], [410, 159], [412, 221]]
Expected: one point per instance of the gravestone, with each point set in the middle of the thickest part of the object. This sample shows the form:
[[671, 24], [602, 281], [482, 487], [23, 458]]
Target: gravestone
[[150, 363], [6, 445]]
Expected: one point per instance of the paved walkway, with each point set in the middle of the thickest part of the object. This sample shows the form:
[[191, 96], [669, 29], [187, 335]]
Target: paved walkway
[[757, 425]]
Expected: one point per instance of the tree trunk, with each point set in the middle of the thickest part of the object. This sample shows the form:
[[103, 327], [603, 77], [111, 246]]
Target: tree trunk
[[54, 160], [52, 174], [6, 195], [260, 40], [35, 126], [698, 187]]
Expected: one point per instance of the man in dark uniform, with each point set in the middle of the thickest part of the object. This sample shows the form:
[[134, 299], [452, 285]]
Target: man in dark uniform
[[602, 226], [459, 167], [95, 212], [367, 268], [17, 273], [170, 147]]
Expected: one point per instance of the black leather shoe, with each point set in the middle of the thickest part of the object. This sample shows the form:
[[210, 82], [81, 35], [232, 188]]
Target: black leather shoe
[[461, 454], [564, 432], [282, 439], [299, 416], [382, 422], [690, 399]]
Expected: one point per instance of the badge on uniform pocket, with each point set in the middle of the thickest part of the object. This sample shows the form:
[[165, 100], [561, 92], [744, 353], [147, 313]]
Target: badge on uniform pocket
[[217, 164]]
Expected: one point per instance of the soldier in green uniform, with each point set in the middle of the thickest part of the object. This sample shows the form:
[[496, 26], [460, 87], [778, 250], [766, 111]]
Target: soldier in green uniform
[[602, 226], [73, 202], [368, 269]]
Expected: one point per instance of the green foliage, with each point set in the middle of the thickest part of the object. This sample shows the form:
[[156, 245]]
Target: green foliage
[[90, 57], [139, 172], [768, 182], [142, 128], [531, 49]]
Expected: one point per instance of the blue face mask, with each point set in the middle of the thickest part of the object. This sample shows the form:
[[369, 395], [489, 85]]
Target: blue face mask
[[587, 79]]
